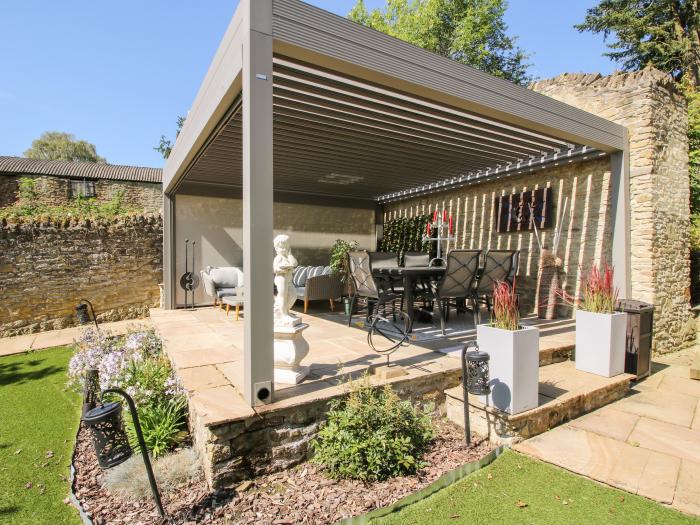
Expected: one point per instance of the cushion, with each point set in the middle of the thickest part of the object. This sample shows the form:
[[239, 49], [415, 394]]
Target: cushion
[[225, 292], [300, 291], [225, 277], [300, 275]]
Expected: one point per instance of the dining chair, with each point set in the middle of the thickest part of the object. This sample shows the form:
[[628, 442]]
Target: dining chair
[[416, 259], [457, 283], [376, 291], [499, 265]]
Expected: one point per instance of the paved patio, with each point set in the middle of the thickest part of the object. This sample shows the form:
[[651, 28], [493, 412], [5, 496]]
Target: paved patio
[[647, 443], [205, 346]]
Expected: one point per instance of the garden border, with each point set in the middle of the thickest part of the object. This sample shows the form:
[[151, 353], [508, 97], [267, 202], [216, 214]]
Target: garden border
[[442, 482], [71, 492]]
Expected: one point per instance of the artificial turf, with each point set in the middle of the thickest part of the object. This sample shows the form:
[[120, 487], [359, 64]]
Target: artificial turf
[[38, 420], [515, 489]]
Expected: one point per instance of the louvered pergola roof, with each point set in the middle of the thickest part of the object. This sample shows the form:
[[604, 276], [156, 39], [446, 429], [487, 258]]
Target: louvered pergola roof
[[418, 123]]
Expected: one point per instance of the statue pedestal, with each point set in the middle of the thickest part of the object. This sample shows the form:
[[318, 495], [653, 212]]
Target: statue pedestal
[[290, 348]]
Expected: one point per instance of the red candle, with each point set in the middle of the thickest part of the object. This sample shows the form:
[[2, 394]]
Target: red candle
[[427, 229], [444, 215], [450, 224], [435, 216]]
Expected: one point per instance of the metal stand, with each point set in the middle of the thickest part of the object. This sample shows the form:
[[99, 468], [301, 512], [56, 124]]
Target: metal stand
[[475, 378], [443, 234], [189, 281], [81, 311], [142, 445]]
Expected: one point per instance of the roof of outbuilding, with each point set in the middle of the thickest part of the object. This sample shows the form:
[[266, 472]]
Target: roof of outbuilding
[[68, 169]]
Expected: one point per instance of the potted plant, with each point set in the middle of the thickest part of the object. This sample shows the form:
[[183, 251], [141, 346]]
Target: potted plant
[[514, 352], [600, 330], [339, 266]]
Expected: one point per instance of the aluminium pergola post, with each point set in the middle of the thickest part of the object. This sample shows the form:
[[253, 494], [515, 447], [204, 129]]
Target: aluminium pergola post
[[257, 202], [620, 216], [169, 288]]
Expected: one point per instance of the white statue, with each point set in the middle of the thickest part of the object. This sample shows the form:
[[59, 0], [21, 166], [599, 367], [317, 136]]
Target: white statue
[[283, 266]]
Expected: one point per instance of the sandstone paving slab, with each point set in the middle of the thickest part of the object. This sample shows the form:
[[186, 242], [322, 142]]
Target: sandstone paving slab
[[670, 407], [203, 356], [202, 377], [16, 345], [659, 478], [220, 405], [687, 497], [609, 422], [564, 446], [233, 372], [683, 385], [696, 419], [667, 438]]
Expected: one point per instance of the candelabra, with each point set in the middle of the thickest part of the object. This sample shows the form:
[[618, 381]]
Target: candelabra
[[442, 225]]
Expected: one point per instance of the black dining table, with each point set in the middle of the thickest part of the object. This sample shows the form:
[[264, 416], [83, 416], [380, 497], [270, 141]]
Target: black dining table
[[410, 275]]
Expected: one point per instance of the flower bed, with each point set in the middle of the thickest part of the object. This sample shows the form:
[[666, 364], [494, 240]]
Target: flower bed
[[300, 495]]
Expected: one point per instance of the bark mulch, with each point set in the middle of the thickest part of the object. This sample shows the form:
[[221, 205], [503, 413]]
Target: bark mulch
[[300, 495]]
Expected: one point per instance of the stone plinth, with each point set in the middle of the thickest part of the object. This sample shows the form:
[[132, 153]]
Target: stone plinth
[[564, 394], [290, 349]]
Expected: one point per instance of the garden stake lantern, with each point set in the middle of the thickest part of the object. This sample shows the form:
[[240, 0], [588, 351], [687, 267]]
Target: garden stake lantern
[[111, 442], [91, 390], [475, 379], [81, 311]]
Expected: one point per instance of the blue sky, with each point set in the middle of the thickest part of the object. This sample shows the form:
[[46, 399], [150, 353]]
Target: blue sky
[[117, 74]]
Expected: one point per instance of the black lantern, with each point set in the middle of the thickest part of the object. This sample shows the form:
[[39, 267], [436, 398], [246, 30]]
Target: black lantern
[[475, 379], [81, 312], [111, 442]]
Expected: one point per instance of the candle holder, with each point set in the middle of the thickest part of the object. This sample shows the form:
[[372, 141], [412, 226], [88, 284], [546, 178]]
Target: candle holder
[[443, 227]]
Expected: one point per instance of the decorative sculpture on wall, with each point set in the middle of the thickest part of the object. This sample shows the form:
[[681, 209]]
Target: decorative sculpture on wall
[[518, 212]]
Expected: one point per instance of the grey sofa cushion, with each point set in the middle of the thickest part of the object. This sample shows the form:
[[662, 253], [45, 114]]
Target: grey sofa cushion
[[225, 277], [225, 292], [300, 274]]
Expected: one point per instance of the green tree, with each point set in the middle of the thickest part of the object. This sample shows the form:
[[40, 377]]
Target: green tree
[[165, 146], [56, 145], [662, 33], [470, 31]]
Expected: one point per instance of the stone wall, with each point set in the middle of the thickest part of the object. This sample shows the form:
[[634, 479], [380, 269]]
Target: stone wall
[[585, 240], [54, 191], [651, 107], [47, 267], [654, 111]]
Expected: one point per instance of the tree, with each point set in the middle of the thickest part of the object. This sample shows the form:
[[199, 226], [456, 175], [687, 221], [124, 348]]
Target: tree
[[662, 33], [470, 31], [165, 146], [55, 145]]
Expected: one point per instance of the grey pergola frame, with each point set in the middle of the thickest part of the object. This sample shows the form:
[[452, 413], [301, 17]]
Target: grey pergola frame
[[241, 76]]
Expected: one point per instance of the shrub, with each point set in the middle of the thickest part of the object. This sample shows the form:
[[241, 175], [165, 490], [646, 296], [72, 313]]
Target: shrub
[[163, 424], [339, 257], [372, 435], [505, 307]]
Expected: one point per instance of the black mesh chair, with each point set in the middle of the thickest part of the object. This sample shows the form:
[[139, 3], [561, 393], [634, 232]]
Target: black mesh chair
[[457, 283], [416, 259], [376, 291], [499, 265]]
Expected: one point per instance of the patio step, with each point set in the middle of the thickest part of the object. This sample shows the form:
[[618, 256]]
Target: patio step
[[564, 394]]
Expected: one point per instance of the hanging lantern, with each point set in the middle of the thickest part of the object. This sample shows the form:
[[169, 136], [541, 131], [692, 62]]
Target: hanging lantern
[[475, 379], [478, 373], [81, 312], [108, 435], [91, 390]]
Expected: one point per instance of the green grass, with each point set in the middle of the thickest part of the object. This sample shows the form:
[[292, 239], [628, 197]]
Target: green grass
[[515, 489], [38, 420]]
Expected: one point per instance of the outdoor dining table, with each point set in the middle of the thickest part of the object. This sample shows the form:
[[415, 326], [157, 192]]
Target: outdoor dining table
[[409, 276]]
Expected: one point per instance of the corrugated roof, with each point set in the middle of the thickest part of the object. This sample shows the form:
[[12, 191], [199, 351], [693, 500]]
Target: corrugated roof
[[89, 170]]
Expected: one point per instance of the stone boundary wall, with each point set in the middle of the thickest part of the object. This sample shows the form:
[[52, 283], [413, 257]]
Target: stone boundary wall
[[654, 111], [47, 266], [54, 191]]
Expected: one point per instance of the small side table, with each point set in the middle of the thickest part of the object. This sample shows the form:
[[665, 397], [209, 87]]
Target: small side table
[[233, 300]]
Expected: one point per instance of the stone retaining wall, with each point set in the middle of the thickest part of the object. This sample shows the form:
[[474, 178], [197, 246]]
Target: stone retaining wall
[[47, 267]]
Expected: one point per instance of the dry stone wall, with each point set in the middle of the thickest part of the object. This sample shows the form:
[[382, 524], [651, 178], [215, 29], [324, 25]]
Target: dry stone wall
[[46, 268]]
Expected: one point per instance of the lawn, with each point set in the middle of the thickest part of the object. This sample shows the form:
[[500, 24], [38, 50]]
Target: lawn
[[515, 489], [38, 420]]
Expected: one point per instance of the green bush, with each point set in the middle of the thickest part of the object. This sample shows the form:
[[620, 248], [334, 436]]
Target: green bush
[[372, 435], [405, 234], [339, 257], [164, 425]]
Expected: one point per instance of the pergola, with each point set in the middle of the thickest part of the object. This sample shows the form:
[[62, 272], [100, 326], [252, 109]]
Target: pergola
[[301, 105]]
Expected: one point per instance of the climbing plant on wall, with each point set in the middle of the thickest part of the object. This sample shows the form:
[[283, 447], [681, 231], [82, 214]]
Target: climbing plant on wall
[[405, 234]]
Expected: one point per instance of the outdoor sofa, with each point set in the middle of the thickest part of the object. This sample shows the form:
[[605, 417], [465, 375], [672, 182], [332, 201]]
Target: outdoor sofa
[[314, 283], [220, 282]]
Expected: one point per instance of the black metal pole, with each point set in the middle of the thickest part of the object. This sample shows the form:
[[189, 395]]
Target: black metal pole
[[465, 392], [142, 445], [92, 311]]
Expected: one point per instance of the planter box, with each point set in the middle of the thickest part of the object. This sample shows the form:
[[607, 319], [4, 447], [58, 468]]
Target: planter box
[[513, 367], [600, 342]]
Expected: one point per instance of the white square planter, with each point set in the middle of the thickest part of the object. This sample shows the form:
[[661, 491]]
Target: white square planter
[[600, 342], [513, 367]]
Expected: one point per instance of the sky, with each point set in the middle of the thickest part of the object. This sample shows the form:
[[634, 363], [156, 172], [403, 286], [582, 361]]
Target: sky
[[118, 74]]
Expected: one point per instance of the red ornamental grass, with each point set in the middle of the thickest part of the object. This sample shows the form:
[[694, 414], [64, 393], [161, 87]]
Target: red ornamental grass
[[599, 293], [505, 307]]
